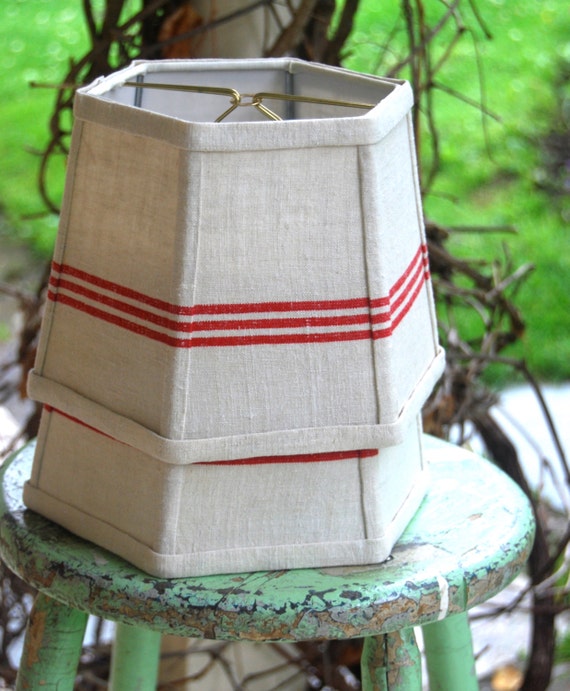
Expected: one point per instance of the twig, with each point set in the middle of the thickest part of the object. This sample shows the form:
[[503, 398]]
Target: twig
[[291, 36]]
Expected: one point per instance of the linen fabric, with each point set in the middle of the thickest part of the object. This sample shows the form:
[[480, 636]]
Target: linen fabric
[[234, 290], [198, 519]]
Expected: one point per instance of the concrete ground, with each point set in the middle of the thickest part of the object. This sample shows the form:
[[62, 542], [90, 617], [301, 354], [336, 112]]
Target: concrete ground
[[501, 641]]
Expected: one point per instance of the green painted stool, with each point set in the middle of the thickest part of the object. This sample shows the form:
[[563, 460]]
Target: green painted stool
[[469, 539]]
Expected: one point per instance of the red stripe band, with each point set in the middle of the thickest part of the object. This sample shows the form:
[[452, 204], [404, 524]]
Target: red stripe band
[[320, 321], [228, 308], [300, 458]]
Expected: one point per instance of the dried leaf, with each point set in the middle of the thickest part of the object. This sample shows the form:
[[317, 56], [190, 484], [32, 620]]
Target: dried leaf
[[180, 22], [508, 678]]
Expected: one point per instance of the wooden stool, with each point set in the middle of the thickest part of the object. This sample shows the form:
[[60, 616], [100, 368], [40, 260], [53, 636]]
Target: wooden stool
[[469, 539]]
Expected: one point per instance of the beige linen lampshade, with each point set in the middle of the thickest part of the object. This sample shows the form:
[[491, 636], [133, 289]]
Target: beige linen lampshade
[[239, 332]]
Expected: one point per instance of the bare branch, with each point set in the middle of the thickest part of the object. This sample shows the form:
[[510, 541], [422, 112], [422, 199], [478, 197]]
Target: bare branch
[[291, 36]]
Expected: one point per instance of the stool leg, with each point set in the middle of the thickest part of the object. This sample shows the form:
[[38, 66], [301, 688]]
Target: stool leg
[[136, 656], [391, 662], [449, 654], [52, 646]]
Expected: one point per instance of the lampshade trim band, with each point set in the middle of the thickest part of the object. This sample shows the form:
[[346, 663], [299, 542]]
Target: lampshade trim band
[[92, 104], [321, 457], [284, 442], [327, 553]]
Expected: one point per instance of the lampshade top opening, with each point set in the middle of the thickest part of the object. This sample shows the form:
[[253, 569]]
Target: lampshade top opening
[[210, 91]]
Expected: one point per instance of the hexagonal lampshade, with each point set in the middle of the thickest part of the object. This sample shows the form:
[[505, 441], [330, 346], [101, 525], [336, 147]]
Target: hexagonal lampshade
[[239, 332]]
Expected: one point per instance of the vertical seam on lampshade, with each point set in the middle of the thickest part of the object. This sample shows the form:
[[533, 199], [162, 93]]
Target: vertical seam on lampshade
[[60, 246], [365, 253], [177, 278], [423, 461], [192, 218], [171, 366], [363, 512], [419, 427], [65, 215], [419, 208], [173, 501]]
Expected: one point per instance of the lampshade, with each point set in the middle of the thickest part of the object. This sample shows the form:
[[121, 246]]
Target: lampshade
[[239, 333]]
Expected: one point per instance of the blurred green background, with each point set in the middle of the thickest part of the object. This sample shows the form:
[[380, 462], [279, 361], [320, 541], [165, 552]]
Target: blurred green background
[[504, 169]]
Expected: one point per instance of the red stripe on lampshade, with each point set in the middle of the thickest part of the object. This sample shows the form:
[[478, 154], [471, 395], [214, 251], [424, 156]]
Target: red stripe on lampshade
[[274, 323]]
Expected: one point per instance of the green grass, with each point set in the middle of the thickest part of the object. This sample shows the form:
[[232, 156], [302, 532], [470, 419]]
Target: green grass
[[490, 168], [38, 37], [490, 181]]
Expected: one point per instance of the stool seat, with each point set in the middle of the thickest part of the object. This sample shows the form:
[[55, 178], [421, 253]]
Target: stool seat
[[469, 539]]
